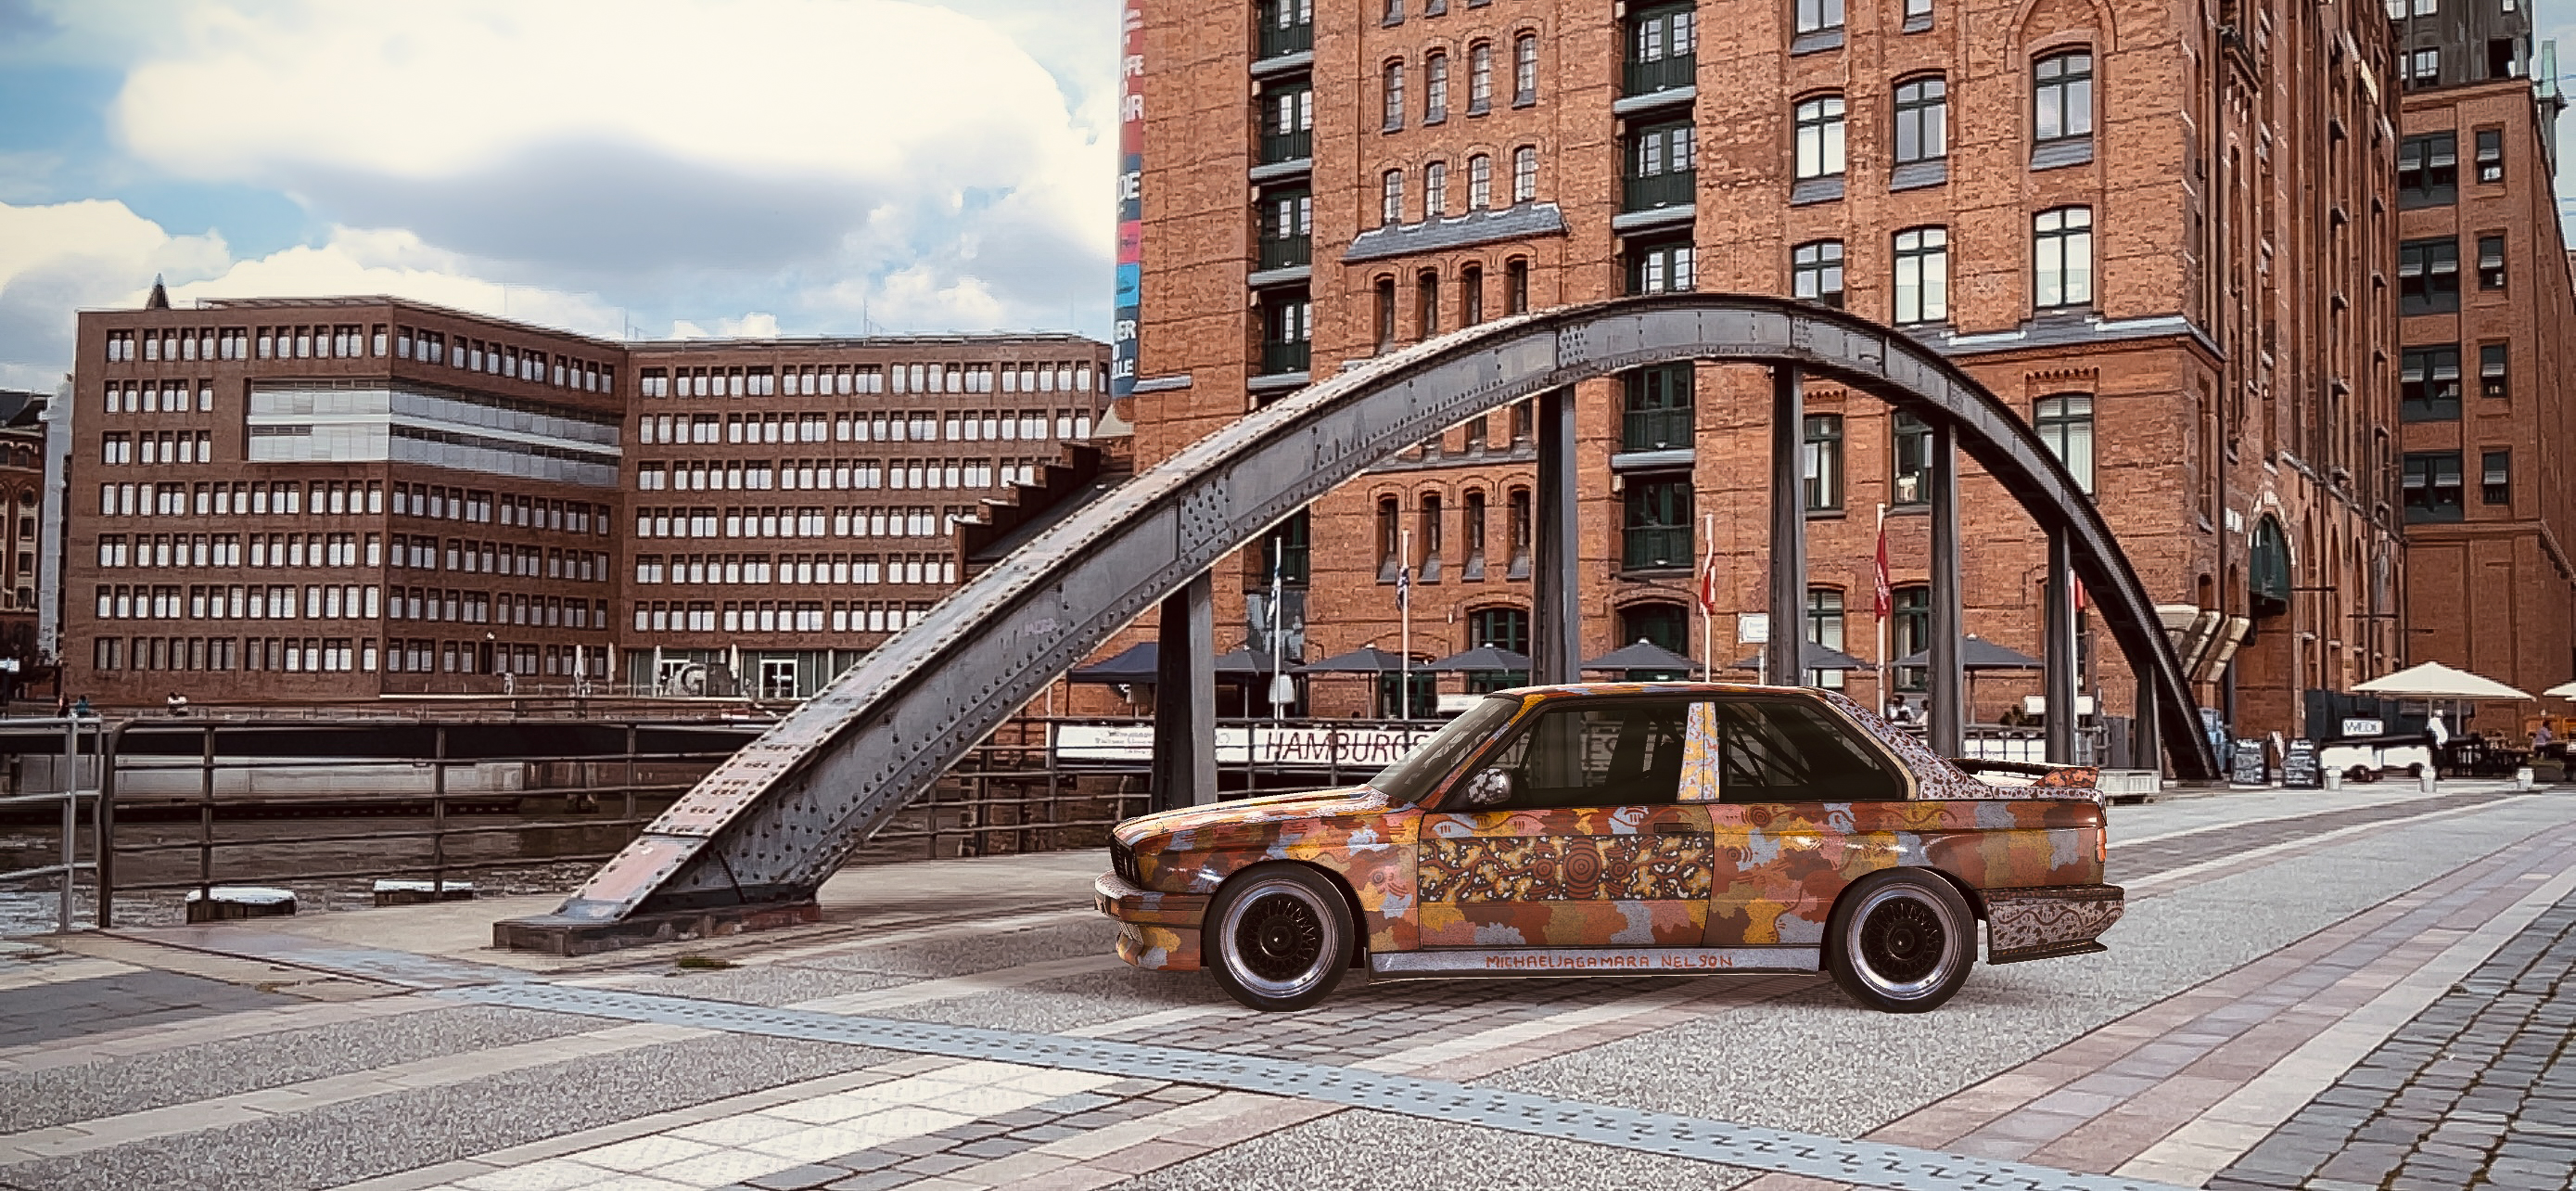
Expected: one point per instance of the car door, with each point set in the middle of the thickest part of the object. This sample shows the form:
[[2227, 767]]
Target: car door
[[1590, 849], [1806, 805]]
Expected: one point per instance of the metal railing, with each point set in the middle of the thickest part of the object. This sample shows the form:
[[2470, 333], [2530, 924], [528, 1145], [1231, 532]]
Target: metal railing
[[1657, 429], [1652, 547], [1662, 74], [1280, 252], [1284, 356], [1278, 39], [67, 774], [1277, 147], [1673, 189]]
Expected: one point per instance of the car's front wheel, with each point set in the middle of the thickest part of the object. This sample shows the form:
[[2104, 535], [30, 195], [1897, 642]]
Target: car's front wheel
[[1902, 941], [1281, 935]]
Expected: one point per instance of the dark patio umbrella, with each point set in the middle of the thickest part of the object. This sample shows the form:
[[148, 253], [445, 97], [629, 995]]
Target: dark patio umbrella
[[1644, 655], [1977, 653], [1243, 664], [1134, 664], [1367, 659], [1481, 658], [1811, 656]]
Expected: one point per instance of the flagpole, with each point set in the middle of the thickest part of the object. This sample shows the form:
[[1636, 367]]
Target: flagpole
[[1707, 615], [1404, 613], [1278, 635], [1886, 690]]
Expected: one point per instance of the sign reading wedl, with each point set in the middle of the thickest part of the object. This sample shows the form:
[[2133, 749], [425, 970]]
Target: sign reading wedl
[[1131, 207]]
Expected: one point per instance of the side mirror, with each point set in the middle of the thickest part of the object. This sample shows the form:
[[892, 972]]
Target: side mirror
[[1492, 787]]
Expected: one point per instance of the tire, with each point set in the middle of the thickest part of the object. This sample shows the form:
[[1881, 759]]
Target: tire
[[1278, 937], [1902, 941]]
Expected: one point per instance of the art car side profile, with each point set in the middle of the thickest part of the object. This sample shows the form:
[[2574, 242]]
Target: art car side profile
[[1628, 829]]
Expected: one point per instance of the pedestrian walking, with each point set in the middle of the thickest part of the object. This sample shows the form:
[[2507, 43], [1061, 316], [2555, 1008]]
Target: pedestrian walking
[[178, 704]]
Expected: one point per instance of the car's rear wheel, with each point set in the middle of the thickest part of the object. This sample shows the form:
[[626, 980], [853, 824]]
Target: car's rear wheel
[[1902, 941], [1281, 935]]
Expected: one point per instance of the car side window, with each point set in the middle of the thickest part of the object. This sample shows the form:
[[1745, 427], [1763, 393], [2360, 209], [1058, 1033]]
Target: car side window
[[1625, 752], [1790, 750]]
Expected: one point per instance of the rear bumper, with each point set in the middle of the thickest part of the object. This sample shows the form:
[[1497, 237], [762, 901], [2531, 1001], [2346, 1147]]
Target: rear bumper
[[1156, 931], [2048, 921]]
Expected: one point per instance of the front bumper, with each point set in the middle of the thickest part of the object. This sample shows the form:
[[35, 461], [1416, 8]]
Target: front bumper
[[2048, 921], [1156, 931]]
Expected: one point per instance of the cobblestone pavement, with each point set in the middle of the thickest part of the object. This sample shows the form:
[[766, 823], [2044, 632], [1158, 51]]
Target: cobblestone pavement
[[2282, 991], [2478, 1090]]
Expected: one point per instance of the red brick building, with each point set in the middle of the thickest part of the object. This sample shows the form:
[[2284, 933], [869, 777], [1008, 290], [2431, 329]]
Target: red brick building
[[2487, 354], [310, 500], [2167, 240]]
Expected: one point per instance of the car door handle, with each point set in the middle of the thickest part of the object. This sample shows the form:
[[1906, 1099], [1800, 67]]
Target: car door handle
[[1676, 829]]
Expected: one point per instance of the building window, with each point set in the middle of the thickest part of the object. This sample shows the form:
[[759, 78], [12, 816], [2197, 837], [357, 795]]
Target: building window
[[2492, 358], [1502, 628], [1820, 135], [1909, 632], [1662, 266], [1918, 15], [1471, 295], [1816, 272], [1471, 515], [1480, 182], [1821, 462], [1435, 190], [1910, 479], [2432, 486], [1393, 12], [1825, 627], [1658, 417], [2062, 96], [2495, 475], [1287, 27], [1658, 530], [1391, 88], [1660, 167], [1662, 49], [1922, 119], [1435, 87], [1287, 230], [1922, 275], [2061, 258], [1517, 525], [2065, 423], [1525, 69], [1525, 174], [2490, 155], [2428, 170], [1480, 78], [1287, 328], [2428, 277], [1385, 315], [1390, 202], [1288, 123], [2424, 68], [1816, 16], [2429, 384], [1433, 546], [2491, 262], [1390, 539], [1516, 289], [1426, 303]]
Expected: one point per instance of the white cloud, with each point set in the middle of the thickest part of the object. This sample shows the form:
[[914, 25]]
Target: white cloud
[[57, 259], [395, 262]]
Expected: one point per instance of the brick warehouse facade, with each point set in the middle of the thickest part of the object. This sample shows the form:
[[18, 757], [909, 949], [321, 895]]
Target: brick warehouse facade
[[2488, 353], [310, 500], [2170, 245]]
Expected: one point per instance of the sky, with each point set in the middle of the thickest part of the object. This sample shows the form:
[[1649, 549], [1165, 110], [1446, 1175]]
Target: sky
[[654, 168]]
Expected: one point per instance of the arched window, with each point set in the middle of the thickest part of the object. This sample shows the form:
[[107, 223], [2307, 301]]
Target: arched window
[[1820, 137], [2065, 423], [1435, 190], [1524, 174], [1471, 295], [1390, 539], [1390, 204], [1480, 78], [1391, 88], [1480, 182], [2268, 574], [2061, 96], [1471, 524], [1518, 528], [1426, 303], [1430, 543], [1435, 87], [1525, 69], [1922, 119], [1816, 272], [1516, 288]]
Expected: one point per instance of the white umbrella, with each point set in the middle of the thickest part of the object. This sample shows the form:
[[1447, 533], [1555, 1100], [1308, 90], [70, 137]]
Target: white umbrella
[[2433, 680], [2564, 690]]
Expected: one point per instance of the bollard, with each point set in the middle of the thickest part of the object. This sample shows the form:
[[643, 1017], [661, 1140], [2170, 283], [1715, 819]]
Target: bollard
[[2522, 778], [2333, 779], [2424, 781]]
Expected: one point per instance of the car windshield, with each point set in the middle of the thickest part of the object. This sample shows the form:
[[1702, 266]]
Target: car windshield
[[1413, 777]]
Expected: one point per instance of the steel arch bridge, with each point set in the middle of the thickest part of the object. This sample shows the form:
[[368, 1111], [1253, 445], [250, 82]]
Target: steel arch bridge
[[766, 828]]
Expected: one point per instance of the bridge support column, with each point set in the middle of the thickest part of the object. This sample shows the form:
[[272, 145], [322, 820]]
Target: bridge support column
[[1948, 724], [2057, 660], [1784, 656], [1556, 629], [2147, 737], [1185, 697]]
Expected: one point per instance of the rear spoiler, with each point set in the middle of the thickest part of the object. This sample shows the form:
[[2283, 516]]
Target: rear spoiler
[[2031, 773]]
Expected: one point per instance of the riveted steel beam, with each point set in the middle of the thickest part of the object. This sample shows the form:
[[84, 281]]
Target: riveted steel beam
[[772, 822]]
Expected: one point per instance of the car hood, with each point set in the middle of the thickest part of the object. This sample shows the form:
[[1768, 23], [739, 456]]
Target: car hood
[[1249, 822]]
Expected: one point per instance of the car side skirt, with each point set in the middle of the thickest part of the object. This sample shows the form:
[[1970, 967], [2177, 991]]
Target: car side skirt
[[1592, 961], [2048, 921]]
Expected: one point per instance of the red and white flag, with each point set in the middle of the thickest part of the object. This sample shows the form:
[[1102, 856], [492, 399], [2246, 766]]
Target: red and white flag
[[1883, 600], [1708, 582]]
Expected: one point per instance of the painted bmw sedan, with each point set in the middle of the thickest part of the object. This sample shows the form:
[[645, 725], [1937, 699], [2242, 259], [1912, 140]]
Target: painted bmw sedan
[[1628, 830]]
